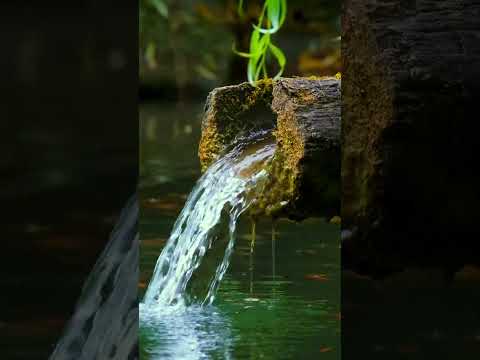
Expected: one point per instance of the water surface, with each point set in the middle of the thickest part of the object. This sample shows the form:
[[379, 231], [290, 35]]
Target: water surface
[[282, 302]]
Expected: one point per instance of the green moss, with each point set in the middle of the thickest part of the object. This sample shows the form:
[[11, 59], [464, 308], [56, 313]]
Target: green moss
[[232, 111], [262, 93], [280, 191]]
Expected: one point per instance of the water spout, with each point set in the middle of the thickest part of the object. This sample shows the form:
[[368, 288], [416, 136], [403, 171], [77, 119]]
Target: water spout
[[225, 191]]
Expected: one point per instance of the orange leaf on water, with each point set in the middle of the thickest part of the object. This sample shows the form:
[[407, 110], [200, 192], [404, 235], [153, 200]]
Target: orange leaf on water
[[317, 277]]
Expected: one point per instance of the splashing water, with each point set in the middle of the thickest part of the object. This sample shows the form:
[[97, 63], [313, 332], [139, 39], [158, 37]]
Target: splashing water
[[229, 186]]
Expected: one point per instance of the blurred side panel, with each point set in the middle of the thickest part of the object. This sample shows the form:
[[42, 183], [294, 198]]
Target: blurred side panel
[[410, 175], [69, 156]]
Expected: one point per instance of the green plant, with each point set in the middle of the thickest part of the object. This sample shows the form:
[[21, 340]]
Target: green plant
[[272, 17], [161, 6]]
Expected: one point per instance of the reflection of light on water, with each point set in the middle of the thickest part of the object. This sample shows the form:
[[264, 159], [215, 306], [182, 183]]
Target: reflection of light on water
[[187, 333], [286, 316]]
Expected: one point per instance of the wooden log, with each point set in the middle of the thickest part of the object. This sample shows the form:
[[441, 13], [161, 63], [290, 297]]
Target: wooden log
[[304, 116], [408, 176]]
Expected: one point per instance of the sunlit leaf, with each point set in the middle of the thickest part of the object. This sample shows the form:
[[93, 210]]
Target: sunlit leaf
[[251, 72], [242, 54], [161, 7], [259, 68], [263, 43], [280, 56], [150, 55], [276, 14], [260, 43], [283, 16], [273, 12], [265, 31], [254, 42]]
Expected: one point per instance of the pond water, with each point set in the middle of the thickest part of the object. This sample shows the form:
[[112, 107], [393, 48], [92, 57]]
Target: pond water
[[281, 302]]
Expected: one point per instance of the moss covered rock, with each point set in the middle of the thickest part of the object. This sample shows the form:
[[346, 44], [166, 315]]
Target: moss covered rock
[[304, 117]]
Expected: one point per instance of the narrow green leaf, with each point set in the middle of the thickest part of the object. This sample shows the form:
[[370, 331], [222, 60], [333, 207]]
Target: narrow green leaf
[[254, 40], [266, 31], [283, 12], [240, 53], [240, 11], [272, 17], [251, 72], [273, 13], [161, 7], [279, 55], [264, 42], [258, 68], [150, 55]]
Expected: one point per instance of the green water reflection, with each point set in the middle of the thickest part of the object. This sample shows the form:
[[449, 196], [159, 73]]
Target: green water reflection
[[281, 304]]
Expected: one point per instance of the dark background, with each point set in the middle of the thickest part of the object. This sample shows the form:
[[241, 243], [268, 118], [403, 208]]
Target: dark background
[[69, 150]]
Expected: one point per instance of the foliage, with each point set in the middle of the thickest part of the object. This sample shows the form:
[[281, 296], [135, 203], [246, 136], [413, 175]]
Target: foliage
[[160, 6], [180, 46], [272, 17], [187, 44]]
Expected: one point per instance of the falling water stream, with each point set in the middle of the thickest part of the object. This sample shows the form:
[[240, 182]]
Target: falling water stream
[[223, 193]]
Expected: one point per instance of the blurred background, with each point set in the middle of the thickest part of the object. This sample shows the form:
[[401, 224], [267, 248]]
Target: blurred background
[[69, 156], [186, 45]]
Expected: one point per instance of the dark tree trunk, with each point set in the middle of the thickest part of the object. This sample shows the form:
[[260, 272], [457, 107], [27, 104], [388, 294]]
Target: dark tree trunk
[[409, 173]]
